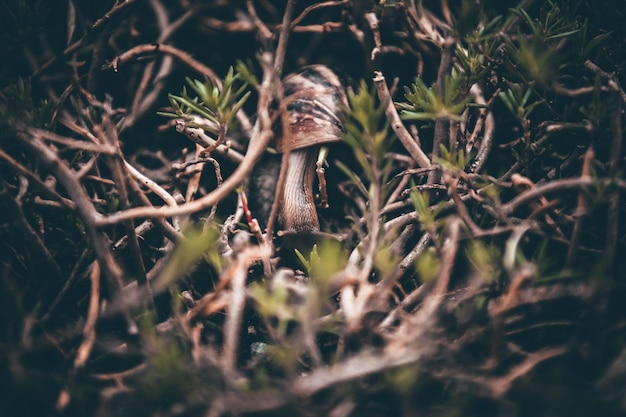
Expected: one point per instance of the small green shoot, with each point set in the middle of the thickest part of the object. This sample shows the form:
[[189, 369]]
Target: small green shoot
[[486, 260], [517, 99], [427, 216], [427, 266], [196, 245], [424, 103], [218, 105], [324, 261], [451, 159]]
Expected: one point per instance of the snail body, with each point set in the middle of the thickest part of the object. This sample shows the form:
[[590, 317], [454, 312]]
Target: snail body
[[314, 102], [297, 214]]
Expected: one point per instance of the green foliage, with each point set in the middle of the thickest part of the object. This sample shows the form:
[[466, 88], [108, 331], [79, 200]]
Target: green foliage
[[597, 109], [284, 357], [554, 22], [537, 57], [451, 159], [17, 107], [289, 311], [472, 58], [427, 266], [273, 300], [112, 202], [403, 379], [218, 105], [486, 260], [292, 307], [428, 217], [517, 100], [244, 70], [538, 52], [325, 261], [368, 135], [365, 132], [170, 376], [424, 103], [385, 261], [548, 268], [197, 244], [600, 190], [586, 46]]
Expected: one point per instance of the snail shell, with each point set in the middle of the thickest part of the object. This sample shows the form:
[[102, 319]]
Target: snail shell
[[315, 101]]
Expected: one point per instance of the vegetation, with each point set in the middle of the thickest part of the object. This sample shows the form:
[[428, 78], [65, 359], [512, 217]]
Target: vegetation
[[473, 240]]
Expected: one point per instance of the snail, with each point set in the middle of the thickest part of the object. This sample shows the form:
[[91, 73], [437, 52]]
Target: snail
[[314, 101]]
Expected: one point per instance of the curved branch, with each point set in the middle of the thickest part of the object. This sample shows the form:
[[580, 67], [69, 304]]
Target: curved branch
[[164, 48], [558, 185]]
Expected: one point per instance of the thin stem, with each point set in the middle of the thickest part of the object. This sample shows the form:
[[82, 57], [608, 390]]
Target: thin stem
[[396, 124]]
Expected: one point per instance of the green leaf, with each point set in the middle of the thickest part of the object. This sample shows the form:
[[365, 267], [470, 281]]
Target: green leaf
[[427, 266], [356, 180], [189, 251], [217, 105]]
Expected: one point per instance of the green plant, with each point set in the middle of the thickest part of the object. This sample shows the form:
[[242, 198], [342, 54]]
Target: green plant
[[18, 107], [368, 135], [216, 105], [540, 51], [517, 100], [424, 103]]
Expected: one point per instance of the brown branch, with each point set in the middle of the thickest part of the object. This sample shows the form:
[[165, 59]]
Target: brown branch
[[118, 7], [500, 386], [441, 135], [166, 49], [87, 37], [580, 212], [197, 135], [89, 330], [486, 117], [372, 23], [309, 9], [554, 186], [107, 133], [171, 231], [610, 78], [396, 124], [14, 215], [258, 24], [219, 180], [281, 48], [78, 267], [151, 84], [354, 368], [412, 329], [253, 154], [242, 26], [86, 209], [236, 305], [97, 146], [279, 58], [452, 182], [615, 121], [27, 173]]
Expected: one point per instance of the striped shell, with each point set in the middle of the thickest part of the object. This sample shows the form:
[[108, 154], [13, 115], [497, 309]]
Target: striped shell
[[315, 99]]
